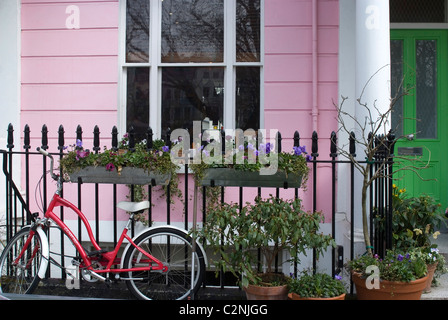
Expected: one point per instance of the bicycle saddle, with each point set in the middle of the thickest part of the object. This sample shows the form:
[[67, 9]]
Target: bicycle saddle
[[133, 206]]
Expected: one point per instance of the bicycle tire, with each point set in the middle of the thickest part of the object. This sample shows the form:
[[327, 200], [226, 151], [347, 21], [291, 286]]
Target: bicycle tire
[[22, 278], [174, 248]]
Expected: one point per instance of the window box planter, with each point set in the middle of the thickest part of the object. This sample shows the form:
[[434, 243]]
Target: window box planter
[[128, 175], [229, 177]]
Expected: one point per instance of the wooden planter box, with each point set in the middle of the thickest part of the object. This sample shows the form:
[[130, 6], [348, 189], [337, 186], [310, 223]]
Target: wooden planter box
[[228, 177], [128, 175]]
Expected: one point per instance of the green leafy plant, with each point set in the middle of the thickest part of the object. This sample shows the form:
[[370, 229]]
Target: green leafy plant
[[415, 220], [268, 225], [157, 160], [395, 266], [431, 255], [317, 285]]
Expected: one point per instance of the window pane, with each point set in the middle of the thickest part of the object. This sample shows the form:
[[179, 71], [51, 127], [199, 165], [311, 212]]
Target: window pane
[[396, 57], [426, 88], [248, 30], [137, 31], [192, 31], [247, 98], [191, 94], [137, 101]]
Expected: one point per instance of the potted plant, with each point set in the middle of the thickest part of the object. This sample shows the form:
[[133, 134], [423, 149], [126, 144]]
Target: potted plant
[[398, 276], [269, 225], [316, 286], [415, 223], [435, 263], [251, 165]]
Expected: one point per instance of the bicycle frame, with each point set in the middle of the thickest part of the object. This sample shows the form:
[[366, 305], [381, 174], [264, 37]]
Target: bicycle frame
[[109, 258], [175, 274]]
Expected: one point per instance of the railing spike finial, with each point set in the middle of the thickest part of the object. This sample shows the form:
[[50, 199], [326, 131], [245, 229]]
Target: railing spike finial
[[26, 137], [279, 141], [333, 146], [96, 139], [296, 139], [352, 146], [114, 138], [44, 137], [149, 139], [168, 137], [10, 144], [131, 135], [314, 145], [61, 139], [79, 132], [223, 141]]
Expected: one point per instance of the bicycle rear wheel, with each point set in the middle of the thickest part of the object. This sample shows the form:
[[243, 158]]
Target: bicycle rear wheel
[[174, 248], [21, 277]]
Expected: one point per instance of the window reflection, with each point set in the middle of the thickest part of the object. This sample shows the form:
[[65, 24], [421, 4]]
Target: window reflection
[[192, 31], [137, 31], [137, 101], [191, 94], [247, 98], [248, 30]]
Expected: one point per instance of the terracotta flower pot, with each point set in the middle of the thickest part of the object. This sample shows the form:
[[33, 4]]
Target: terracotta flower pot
[[390, 290], [431, 270], [295, 296], [254, 292]]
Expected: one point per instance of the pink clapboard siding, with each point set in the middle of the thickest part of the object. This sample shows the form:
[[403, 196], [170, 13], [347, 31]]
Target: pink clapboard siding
[[301, 71], [70, 76]]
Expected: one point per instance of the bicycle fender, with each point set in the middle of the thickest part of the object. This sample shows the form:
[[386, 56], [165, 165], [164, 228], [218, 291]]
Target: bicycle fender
[[199, 245], [45, 253]]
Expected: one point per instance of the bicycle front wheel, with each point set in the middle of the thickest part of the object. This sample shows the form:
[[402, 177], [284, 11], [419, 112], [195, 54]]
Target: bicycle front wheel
[[174, 249], [20, 275]]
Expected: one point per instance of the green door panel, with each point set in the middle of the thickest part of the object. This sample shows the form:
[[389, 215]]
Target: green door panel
[[419, 64]]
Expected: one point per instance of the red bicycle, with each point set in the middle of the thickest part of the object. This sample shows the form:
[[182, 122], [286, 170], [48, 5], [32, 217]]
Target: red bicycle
[[160, 263]]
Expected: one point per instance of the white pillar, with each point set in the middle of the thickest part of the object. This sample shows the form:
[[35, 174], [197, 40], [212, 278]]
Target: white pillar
[[9, 86], [364, 72], [372, 56], [9, 67]]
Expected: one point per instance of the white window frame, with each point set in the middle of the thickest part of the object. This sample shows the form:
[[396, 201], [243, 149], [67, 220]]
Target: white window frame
[[155, 65]]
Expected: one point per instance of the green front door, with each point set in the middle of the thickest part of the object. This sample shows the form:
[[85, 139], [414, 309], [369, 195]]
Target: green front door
[[419, 62]]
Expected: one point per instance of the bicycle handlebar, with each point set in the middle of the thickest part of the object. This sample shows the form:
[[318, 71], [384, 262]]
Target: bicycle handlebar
[[47, 154]]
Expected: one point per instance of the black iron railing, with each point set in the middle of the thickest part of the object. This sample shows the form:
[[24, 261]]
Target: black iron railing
[[16, 202]]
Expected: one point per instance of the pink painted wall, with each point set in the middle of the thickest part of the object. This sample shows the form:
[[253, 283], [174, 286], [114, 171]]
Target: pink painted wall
[[301, 70], [70, 76]]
